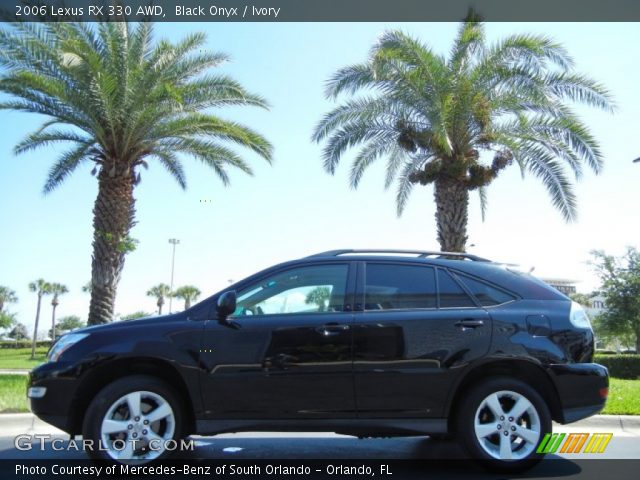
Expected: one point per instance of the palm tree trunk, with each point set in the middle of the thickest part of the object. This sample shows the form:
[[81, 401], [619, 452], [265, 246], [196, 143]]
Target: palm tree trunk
[[53, 324], [113, 217], [35, 328], [187, 303], [452, 202]]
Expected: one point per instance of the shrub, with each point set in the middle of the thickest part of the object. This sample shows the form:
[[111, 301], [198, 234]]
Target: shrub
[[24, 344], [621, 366]]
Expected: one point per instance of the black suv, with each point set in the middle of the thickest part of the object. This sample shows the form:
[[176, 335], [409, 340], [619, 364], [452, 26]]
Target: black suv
[[367, 343]]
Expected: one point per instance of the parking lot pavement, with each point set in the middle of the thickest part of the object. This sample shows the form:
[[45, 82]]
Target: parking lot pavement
[[272, 445]]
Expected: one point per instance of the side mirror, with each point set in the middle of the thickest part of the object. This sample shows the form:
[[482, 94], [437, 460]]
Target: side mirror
[[226, 305]]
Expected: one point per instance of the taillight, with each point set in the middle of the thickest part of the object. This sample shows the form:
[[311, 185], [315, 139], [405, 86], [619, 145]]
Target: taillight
[[578, 316], [604, 393]]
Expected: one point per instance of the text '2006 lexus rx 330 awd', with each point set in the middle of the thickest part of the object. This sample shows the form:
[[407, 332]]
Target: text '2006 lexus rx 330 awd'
[[367, 343]]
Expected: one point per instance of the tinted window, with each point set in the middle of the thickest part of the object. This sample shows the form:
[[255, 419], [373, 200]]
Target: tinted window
[[451, 293], [486, 294], [313, 289], [390, 287]]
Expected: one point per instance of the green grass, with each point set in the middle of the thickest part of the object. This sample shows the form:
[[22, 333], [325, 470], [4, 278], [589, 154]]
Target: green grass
[[17, 358], [624, 397], [13, 393]]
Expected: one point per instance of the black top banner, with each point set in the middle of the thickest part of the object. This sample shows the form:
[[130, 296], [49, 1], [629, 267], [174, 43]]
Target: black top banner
[[321, 10]]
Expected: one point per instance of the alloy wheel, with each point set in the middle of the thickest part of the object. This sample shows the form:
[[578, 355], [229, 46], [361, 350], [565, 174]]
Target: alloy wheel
[[507, 425], [137, 426]]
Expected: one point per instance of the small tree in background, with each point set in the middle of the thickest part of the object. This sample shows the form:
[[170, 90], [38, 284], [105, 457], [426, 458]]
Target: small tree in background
[[65, 325], [620, 287], [135, 315], [57, 289], [7, 320], [583, 299], [160, 292], [6, 296], [188, 293], [19, 332]]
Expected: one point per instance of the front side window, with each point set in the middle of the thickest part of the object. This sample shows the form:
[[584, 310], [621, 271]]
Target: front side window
[[393, 287], [313, 289]]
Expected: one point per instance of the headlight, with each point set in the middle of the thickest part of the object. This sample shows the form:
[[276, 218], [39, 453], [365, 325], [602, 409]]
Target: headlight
[[63, 344], [578, 316]]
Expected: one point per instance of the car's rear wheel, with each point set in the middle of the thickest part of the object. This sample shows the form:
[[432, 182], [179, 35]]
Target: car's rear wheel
[[135, 419], [501, 423]]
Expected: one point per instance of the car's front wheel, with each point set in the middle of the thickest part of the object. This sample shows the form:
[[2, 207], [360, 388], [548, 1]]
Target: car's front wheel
[[135, 419], [501, 423]]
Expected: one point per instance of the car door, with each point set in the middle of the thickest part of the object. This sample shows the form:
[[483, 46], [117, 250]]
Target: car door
[[288, 351], [414, 330]]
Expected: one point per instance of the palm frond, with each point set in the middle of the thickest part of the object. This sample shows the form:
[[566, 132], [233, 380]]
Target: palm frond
[[39, 139], [350, 79], [405, 185], [65, 165], [173, 165]]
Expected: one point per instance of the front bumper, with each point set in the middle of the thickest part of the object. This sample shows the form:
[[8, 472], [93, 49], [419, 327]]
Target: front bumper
[[582, 389], [61, 382]]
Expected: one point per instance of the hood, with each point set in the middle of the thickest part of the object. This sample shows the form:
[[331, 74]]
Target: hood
[[120, 324]]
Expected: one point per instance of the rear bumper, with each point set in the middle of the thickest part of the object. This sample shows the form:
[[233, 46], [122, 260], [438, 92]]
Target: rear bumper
[[582, 389]]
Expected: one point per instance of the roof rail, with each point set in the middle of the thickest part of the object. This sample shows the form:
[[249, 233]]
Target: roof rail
[[418, 253]]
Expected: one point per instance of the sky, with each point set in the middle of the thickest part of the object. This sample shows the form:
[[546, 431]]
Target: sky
[[294, 208]]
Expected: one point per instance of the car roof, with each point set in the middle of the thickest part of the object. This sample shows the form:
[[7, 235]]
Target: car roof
[[504, 275]]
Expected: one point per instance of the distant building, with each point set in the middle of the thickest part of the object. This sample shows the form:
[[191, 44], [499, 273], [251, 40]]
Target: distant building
[[597, 306], [563, 285]]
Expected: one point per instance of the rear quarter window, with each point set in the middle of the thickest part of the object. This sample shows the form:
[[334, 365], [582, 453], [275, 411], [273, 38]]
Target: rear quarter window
[[486, 294]]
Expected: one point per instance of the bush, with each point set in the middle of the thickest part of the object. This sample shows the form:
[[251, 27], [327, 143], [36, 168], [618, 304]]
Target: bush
[[621, 366], [24, 344]]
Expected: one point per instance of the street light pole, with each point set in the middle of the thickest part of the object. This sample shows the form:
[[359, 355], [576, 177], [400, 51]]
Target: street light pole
[[174, 242]]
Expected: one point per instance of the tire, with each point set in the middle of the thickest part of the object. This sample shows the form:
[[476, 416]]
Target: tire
[[484, 417], [110, 421]]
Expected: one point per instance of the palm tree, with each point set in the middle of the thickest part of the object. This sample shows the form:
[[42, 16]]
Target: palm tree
[[457, 122], [7, 296], [42, 288], [126, 101], [188, 293], [57, 289], [160, 291]]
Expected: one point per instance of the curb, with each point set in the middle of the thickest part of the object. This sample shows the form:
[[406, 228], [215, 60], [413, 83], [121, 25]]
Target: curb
[[24, 422]]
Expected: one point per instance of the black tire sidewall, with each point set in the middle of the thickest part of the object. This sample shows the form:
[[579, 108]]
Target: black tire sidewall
[[466, 418], [107, 396]]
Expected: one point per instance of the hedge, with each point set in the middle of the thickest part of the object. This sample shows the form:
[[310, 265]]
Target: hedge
[[24, 344], [621, 366]]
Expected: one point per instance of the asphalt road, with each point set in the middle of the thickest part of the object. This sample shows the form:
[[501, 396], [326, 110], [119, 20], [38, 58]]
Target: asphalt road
[[334, 449]]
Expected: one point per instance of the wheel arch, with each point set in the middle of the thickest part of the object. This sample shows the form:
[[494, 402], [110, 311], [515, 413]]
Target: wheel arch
[[108, 372], [526, 371]]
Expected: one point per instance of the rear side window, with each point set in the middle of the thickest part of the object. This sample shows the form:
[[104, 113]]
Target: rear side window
[[451, 293], [486, 294], [392, 287]]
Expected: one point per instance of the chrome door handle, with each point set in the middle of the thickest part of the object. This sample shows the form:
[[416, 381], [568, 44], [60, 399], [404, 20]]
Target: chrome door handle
[[469, 323]]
